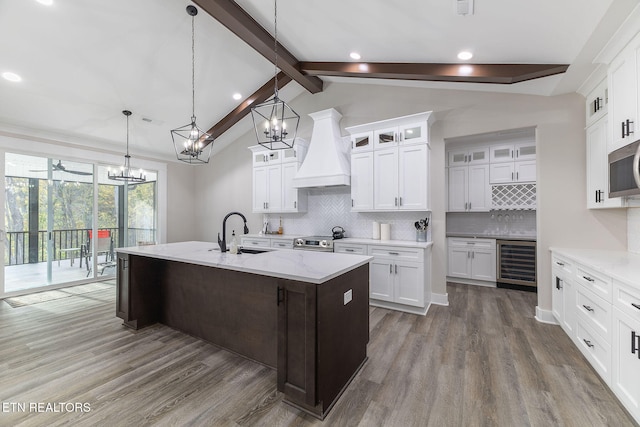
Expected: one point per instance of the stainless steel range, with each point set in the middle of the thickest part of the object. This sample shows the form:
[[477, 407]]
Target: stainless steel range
[[314, 243]]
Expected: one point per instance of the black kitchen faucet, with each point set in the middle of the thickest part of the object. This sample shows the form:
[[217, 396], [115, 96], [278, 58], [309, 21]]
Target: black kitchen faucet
[[223, 243]]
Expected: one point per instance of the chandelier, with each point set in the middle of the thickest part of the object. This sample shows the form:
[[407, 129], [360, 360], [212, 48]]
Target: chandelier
[[276, 123], [125, 173], [192, 144]]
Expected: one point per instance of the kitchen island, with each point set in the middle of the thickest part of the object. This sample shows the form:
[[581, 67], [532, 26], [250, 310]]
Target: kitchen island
[[304, 313]]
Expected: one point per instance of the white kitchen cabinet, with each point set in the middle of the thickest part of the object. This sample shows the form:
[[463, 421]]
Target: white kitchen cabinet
[[397, 275], [362, 141], [469, 189], [267, 188], [622, 80], [410, 133], [401, 178], [473, 259], [468, 156], [563, 294], [362, 181], [598, 168], [518, 151], [349, 248], [597, 103], [293, 199], [395, 174], [255, 242], [273, 173], [625, 372], [603, 320], [510, 172]]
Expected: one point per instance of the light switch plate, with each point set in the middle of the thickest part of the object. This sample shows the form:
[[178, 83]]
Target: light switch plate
[[348, 296]]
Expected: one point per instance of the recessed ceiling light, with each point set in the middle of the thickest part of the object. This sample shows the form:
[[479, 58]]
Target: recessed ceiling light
[[465, 70], [12, 77], [355, 55], [45, 2], [465, 55], [363, 67], [237, 96]]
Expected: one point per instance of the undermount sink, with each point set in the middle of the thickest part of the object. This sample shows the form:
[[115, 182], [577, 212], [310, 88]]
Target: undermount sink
[[251, 251]]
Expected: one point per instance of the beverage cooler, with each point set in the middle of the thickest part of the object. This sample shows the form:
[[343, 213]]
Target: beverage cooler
[[516, 263]]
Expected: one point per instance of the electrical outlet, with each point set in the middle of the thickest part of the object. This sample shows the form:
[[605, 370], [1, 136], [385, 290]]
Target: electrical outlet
[[348, 296]]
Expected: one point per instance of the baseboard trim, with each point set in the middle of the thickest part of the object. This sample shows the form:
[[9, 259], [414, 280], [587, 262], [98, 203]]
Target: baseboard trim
[[545, 316], [440, 299], [420, 311]]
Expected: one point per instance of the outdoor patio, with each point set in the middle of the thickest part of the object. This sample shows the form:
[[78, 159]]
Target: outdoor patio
[[29, 276]]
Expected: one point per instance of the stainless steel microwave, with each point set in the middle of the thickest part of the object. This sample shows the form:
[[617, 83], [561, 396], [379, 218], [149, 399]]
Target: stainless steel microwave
[[624, 171]]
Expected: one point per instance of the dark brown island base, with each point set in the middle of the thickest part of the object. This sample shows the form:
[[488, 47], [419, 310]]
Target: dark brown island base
[[314, 334]]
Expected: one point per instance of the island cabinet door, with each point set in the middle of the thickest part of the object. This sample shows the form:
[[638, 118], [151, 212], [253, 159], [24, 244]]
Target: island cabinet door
[[122, 288], [297, 342]]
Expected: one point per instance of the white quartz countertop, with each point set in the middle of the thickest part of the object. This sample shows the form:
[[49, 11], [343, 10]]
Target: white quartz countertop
[[620, 265], [305, 266], [404, 243]]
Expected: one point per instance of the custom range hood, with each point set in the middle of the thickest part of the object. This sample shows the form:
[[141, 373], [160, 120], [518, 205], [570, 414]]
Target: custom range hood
[[327, 162]]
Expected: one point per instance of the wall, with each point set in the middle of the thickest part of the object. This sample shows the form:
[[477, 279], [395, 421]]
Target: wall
[[181, 196], [562, 217], [633, 230]]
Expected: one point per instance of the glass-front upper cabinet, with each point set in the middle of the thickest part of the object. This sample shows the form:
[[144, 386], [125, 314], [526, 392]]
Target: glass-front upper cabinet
[[404, 134], [362, 141], [266, 156]]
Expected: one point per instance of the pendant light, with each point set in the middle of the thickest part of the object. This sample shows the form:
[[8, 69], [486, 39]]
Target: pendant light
[[276, 123], [192, 144], [125, 173]]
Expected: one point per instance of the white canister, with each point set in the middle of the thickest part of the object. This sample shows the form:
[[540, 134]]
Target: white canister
[[376, 230], [385, 231]]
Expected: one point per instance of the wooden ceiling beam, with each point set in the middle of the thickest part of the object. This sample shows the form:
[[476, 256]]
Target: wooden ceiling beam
[[472, 73], [261, 95], [240, 23]]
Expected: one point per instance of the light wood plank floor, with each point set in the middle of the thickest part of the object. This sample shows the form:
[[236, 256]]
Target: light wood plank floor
[[482, 361]]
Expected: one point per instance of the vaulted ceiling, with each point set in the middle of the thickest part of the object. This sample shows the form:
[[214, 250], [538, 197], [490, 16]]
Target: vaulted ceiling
[[83, 62]]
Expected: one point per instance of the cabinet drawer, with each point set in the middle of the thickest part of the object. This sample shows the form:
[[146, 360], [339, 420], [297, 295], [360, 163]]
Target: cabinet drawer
[[282, 244], [596, 282], [594, 311], [595, 349], [397, 253], [627, 299], [252, 242], [484, 244], [348, 248], [562, 265]]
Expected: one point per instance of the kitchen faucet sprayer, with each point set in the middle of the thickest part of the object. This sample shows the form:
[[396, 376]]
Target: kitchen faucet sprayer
[[223, 243]]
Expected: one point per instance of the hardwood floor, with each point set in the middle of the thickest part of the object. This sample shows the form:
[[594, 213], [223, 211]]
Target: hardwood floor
[[482, 361]]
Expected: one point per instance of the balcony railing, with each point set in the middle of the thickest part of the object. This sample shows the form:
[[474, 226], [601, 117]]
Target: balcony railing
[[17, 242]]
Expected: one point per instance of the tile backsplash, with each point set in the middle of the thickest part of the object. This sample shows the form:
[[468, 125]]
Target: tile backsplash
[[331, 206], [633, 230], [503, 223]]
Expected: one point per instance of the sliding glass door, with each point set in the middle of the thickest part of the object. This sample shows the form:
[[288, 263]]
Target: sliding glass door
[[64, 219]]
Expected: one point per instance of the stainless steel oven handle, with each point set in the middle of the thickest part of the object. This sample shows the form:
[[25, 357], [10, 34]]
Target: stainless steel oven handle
[[636, 167]]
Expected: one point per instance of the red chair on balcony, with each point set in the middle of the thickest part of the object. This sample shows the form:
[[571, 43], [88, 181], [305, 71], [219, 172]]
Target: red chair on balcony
[[104, 247]]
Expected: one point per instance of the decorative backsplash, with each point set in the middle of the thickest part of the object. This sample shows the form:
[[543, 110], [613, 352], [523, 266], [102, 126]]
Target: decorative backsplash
[[504, 223], [331, 206]]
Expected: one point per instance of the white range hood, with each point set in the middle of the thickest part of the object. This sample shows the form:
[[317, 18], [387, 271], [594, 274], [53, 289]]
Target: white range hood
[[327, 162]]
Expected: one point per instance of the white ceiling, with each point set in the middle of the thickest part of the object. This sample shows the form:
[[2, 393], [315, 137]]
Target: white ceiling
[[84, 61]]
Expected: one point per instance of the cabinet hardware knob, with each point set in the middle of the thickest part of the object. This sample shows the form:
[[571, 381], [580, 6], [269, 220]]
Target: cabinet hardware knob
[[629, 131], [295, 204], [511, 176], [396, 267], [588, 343], [588, 308], [588, 279], [400, 200], [517, 176], [635, 348], [351, 202], [469, 205], [394, 253], [349, 250], [623, 135], [390, 268], [560, 263], [636, 305], [558, 281]]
